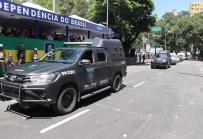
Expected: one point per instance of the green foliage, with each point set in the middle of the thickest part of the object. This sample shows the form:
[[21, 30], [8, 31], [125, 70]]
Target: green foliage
[[182, 31], [80, 8], [19, 1], [64, 6], [45, 3], [127, 17]]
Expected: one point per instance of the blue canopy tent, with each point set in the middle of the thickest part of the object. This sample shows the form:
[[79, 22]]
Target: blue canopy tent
[[34, 15]]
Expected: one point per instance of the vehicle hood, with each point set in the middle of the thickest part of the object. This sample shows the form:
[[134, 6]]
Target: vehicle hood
[[36, 68]]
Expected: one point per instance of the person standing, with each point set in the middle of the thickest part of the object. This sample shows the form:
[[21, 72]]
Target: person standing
[[2, 53], [140, 57], [2, 61], [21, 55], [143, 58], [10, 62], [35, 55]]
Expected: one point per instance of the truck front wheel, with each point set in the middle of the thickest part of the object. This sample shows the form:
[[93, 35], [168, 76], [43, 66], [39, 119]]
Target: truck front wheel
[[67, 101]]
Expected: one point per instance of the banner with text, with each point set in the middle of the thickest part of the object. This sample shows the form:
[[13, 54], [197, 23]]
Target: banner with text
[[17, 9]]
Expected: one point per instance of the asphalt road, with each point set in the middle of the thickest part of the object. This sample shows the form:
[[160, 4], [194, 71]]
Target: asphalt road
[[153, 104]]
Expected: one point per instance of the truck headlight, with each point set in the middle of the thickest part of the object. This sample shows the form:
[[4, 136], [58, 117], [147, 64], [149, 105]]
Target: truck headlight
[[43, 78]]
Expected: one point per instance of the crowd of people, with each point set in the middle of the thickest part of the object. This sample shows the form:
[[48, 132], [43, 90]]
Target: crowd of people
[[21, 57], [29, 33], [21, 54]]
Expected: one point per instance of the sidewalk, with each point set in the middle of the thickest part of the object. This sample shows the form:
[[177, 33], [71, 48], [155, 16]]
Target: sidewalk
[[147, 62]]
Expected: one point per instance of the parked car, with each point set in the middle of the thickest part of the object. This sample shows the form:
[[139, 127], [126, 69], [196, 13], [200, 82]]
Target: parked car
[[65, 75], [189, 55], [174, 59], [162, 59], [182, 56]]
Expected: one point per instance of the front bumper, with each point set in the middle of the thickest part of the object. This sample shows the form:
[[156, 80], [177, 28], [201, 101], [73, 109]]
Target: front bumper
[[173, 62], [24, 93], [159, 64]]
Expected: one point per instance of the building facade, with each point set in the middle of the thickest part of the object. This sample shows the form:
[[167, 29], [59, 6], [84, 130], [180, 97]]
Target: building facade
[[196, 7]]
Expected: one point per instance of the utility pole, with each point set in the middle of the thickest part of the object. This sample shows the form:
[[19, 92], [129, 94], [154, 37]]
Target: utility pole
[[107, 14], [166, 30], [54, 5], [143, 40], [165, 39]]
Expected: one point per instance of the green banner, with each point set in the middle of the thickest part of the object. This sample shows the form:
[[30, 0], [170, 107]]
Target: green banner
[[12, 43]]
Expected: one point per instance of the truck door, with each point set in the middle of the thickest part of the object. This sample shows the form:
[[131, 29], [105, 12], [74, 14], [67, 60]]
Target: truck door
[[87, 71], [103, 67]]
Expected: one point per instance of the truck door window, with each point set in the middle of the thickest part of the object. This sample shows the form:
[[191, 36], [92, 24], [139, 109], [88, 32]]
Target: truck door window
[[88, 55], [101, 56]]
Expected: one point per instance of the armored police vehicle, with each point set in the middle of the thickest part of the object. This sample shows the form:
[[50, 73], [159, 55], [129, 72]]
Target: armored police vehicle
[[65, 75]]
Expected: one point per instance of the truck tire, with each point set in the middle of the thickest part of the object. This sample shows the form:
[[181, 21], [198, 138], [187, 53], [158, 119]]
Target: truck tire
[[67, 101], [116, 84]]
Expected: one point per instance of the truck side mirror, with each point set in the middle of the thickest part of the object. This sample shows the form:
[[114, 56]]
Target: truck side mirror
[[85, 62]]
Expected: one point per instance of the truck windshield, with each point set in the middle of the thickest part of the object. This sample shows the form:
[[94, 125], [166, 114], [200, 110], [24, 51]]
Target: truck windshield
[[68, 56]]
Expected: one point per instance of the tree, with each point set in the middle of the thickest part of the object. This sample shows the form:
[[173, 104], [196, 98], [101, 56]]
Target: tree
[[174, 31], [45, 3], [127, 17], [64, 6], [80, 8], [183, 31], [19, 1]]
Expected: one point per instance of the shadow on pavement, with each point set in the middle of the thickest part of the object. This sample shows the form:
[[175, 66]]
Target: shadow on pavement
[[36, 112], [45, 112], [190, 74], [97, 97]]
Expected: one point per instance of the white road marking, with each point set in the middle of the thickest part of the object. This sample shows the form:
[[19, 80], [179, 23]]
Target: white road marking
[[176, 117], [125, 135], [160, 73], [131, 100], [192, 103], [179, 105], [63, 121], [118, 110], [172, 133], [98, 122], [138, 84]]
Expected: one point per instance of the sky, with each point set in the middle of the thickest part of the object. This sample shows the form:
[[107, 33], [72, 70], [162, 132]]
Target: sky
[[163, 6]]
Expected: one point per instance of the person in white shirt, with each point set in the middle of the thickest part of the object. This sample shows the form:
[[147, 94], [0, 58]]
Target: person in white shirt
[[35, 55]]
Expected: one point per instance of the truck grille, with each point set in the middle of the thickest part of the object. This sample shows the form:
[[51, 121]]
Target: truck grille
[[17, 78]]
